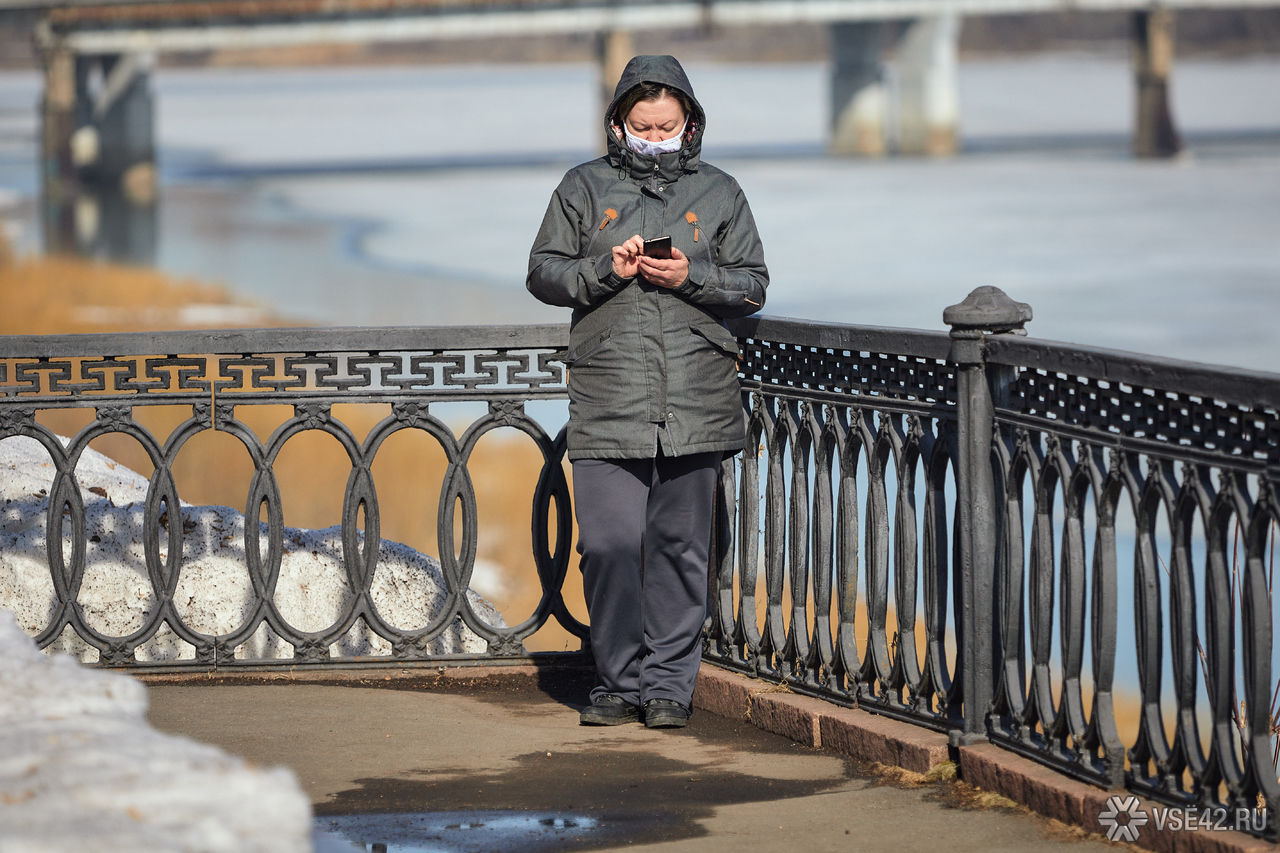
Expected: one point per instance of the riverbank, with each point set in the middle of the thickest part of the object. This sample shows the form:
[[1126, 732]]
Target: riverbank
[[60, 295]]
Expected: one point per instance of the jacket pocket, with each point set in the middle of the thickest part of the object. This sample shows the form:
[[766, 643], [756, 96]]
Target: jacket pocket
[[719, 337], [585, 349]]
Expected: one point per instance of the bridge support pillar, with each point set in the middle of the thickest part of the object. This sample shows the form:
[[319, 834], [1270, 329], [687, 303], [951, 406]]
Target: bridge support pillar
[[928, 99], [1153, 36], [858, 96], [98, 156], [613, 49], [122, 116], [58, 179]]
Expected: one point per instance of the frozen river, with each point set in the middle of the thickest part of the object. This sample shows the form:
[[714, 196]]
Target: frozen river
[[411, 195]]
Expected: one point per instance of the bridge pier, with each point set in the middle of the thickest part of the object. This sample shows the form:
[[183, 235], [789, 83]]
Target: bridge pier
[[928, 96], [1154, 132], [926, 103], [859, 99], [57, 174], [613, 50], [98, 181], [121, 115]]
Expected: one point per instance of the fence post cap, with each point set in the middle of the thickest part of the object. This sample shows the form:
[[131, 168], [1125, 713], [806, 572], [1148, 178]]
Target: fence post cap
[[988, 309]]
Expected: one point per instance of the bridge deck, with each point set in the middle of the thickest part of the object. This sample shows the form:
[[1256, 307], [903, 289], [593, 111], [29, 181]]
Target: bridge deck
[[470, 754], [94, 26]]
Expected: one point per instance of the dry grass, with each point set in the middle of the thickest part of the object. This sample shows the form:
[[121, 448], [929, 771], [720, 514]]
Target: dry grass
[[55, 295], [942, 785]]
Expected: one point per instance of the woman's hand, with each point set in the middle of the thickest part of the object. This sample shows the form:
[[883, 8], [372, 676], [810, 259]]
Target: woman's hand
[[626, 258], [663, 273]]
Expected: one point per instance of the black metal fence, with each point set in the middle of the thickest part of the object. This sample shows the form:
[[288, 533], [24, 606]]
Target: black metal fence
[[976, 532], [994, 477], [310, 371]]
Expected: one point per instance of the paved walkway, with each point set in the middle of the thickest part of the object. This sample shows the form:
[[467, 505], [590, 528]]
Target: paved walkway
[[506, 767]]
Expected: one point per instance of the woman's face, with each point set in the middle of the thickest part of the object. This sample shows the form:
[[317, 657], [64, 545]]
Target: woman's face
[[657, 120]]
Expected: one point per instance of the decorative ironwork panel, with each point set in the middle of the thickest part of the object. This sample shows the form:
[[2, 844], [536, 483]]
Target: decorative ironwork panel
[[381, 375], [814, 369], [1190, 454], [503, 368], [1171, 422], [841, 434]]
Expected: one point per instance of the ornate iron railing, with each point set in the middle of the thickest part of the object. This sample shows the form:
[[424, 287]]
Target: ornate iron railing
[[825, 401], [941, 609], [310, 370], [925, 525], [1193, 454]]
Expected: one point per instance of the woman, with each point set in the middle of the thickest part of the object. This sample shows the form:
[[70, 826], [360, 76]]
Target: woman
[[654, 401]]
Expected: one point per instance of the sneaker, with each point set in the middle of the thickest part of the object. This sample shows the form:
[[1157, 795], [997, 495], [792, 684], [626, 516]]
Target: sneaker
[[665, 714], [609, 710]]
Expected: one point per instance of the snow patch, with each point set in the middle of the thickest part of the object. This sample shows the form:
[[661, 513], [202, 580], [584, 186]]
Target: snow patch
[[81, 769], [214, 594]]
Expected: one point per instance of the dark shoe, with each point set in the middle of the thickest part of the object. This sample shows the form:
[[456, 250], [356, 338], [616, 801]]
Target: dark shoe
[[609, 710], [665, 714]]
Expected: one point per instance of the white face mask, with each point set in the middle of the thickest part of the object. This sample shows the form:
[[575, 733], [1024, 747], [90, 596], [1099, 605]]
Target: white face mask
[[653, 149]]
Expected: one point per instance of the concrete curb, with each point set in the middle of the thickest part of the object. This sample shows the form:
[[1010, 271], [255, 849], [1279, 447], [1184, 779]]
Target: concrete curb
[[869, 737]]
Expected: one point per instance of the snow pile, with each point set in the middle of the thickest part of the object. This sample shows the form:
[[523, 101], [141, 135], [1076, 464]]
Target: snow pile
[[80, 769], [214, 594]]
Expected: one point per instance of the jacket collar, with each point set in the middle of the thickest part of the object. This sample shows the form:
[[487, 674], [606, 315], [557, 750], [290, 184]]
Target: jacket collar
[[642, 167]]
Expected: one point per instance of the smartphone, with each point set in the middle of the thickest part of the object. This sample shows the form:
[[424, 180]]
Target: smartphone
[[658, 247]]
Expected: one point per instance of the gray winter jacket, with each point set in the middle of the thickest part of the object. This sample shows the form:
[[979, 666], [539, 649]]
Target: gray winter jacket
[[650, 367]]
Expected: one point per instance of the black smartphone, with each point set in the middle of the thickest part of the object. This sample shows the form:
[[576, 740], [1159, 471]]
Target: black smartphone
[[658, 247]]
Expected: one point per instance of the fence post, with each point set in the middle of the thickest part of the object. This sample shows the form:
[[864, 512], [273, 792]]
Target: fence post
[[985, 311]]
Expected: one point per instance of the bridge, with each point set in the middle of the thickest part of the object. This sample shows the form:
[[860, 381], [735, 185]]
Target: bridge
[[928, 531], [120, 26], [98, 55]]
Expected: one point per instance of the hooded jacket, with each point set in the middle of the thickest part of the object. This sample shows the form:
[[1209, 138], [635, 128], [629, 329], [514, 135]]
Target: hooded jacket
[[650, 367]]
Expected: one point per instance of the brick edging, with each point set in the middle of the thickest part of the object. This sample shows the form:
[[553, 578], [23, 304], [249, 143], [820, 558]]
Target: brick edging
[[1051, 794], [814, 722], [870, 737]]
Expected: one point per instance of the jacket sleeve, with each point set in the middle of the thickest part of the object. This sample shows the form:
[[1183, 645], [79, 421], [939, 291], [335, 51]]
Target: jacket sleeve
[[558, 273], [734, 285]]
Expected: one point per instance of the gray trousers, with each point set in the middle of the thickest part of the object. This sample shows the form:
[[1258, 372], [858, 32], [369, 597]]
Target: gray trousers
[[644, 532]]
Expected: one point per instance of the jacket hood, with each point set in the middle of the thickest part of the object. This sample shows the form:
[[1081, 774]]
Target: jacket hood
[[666, 71]]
